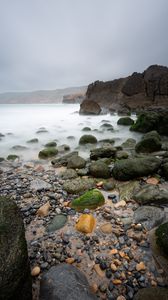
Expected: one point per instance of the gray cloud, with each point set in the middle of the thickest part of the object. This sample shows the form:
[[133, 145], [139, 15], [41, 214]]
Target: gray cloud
[[59, 43]]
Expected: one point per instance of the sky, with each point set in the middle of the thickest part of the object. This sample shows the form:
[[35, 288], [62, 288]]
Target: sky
[[49, 44]]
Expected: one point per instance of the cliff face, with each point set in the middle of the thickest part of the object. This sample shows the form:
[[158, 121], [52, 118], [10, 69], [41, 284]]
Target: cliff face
[[139, 90]]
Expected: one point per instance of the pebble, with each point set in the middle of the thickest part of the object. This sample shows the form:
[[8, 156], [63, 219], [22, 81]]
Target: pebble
[[35, 271], [106, 228], [140, 267]]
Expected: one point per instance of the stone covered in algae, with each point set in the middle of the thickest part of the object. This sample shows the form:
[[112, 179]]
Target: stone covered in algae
[[91, 200]]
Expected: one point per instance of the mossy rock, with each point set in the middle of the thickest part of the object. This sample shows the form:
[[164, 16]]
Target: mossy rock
[[129, 144], [146, 122], [48, 152], [162, 237], [33, 141], [126, 121], [15, 279], [150, 142], [106, 126], [91, 200], [122, 154], [12, 157], [51, 144], [78, 185], [105, 151], [76, 162], [87, 139], [99, 169], [2, 159]]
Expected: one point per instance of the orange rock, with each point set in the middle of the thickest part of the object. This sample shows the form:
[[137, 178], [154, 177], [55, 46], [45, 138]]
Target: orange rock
[[141, 266], [113, 267], [35, 271], [70, 260], [152, 180], [86, 223], [117, 262], [94, 287], [44, 210], [106, 228], [121, 253], [117, 281], [113, 251], [121, 203], [121, 298], [99, 184]]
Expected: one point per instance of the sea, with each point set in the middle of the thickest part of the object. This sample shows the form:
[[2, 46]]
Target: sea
[[20, 123]]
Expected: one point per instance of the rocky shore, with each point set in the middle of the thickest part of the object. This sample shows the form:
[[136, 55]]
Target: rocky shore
[[93, 218]]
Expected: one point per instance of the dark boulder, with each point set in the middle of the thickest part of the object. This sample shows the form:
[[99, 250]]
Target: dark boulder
[[162, 237], [99, 169], [76, 162], [165, 170], [89, 107], [151, 194], [150, 142], [149, 216], [87, 139], [131, 168], [65, 282], [63, 161], [127, 121], [15, 279], [105, 151]]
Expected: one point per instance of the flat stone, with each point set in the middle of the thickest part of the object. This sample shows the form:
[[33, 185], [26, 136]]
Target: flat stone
[[39, 185], [57, 222], [149, 216], [106, 228]]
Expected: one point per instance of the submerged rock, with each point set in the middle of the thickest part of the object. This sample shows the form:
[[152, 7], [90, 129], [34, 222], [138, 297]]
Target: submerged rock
[[63, 161], [48, 152], [87, 139], [86, 129], [32, 141], [12, 157], [15, 279], [135, 167], [129, 144], [151, 194], [51, 144], [91, 200], [65, 282], [19, 148], [127, 121]]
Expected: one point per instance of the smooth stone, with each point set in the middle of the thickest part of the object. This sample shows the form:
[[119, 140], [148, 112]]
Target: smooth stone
[[153, 293], [65, 282], [86, 223], [106, 228], [57, 222], [78, 185], [39, 185], [151, 194], [149, 216]]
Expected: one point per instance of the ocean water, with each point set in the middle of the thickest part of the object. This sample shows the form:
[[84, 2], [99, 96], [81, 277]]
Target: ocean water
[[20, 123]]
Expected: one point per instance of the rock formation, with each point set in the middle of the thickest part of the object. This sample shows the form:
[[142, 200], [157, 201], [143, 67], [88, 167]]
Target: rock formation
[[138, 91]]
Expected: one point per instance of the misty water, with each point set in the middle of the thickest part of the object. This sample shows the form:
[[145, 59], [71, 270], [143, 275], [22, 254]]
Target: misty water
[[20, 123]]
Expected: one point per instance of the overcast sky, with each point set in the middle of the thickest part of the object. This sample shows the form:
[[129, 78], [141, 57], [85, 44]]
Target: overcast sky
[[49, 44]]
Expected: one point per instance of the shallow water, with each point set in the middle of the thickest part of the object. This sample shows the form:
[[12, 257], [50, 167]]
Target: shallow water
[[60, 120]]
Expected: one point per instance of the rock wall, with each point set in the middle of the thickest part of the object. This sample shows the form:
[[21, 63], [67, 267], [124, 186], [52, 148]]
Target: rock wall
[[139, 90]]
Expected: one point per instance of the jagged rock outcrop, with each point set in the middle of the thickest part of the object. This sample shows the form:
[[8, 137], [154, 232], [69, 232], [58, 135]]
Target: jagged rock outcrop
[[138, 91]]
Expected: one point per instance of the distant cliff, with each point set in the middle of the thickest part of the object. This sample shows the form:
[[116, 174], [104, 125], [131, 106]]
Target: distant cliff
[[139, 90], [74, 98], [50, 96]]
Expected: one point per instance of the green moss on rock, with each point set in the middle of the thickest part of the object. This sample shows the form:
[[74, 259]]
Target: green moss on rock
[[48, 152], [87, 139], [51, 144], [127, 121], [91, 200], [12, 157]]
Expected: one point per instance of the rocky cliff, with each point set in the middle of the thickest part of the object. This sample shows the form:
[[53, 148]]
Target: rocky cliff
[[139, 90], [74, 98]]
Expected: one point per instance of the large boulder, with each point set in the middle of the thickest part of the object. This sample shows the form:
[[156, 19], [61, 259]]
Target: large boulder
[[153, 293], [162, 237], [127, 121], [65, 282], [87, 139], [150, 142], [48, 152], [89, 107], [102, 152], [156, 80], [76, 162], [135, 167], [99, 169], [63, 161], [149, 216], [151, 194], [15, 279]]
